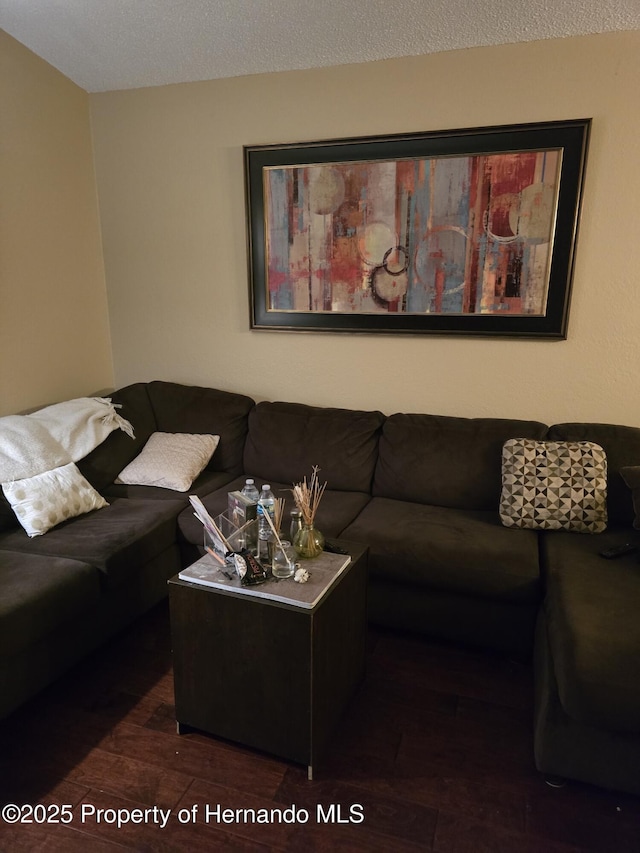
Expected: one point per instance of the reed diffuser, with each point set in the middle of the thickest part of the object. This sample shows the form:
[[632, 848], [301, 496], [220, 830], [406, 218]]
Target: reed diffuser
[[309, 541]]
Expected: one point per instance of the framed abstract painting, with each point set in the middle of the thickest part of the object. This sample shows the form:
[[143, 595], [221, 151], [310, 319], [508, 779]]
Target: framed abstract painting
[[468, 232]]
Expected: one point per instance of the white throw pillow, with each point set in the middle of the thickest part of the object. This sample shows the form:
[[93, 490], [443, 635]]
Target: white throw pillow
[[170, 460], [45, 500]]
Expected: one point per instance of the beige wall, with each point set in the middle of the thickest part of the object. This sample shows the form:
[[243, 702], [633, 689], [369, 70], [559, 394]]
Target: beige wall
[[170, 178], [54, 334]]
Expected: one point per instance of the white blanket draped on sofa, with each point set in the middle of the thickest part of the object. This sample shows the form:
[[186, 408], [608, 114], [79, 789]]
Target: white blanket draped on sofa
[[55, 436], [38, 453]]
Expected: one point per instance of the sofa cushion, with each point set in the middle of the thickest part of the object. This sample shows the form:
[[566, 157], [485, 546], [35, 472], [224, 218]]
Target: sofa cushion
[[286, 440], [208, 481], [170, 460], [622, 446], [40, 593], [103, 464], [116, 539], [187, 408], [592, 608], [554, 485], [631, 476], [336, 511], [465, 551], [446, 461]]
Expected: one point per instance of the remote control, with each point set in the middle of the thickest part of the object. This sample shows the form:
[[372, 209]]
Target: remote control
[[619, 550], [334, 548]]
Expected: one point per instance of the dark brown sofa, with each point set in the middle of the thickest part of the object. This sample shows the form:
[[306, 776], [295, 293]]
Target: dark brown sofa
[[421, 490], [65, 593], [587, 710]]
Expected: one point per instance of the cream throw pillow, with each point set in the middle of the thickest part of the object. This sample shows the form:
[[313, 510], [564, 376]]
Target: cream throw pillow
[[170, 460], [42, 501]]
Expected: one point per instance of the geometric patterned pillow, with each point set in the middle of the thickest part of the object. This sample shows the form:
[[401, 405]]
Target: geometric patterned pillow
[[554, 485]]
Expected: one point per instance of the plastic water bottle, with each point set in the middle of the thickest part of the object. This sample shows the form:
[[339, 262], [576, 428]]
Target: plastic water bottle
[[266, 504], [250, 491]]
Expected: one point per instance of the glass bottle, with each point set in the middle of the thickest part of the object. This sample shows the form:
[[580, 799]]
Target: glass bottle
[[296, 524]]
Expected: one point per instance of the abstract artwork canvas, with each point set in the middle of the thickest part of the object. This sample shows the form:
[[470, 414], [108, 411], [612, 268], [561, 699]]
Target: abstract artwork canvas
[[464, 232]]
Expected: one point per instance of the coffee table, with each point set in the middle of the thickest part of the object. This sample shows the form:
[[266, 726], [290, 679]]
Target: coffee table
[[271, 666]]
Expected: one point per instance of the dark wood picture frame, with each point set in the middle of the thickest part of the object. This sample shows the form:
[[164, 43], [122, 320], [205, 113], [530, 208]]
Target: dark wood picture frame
[[467, 232]]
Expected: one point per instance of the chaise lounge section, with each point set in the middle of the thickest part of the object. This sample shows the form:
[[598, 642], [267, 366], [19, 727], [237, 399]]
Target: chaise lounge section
[[587, 706]]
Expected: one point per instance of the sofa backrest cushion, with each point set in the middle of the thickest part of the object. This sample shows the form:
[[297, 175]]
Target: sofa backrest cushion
[[102, 465], [286, 440], [446, 461], [622, 446], [189, 408]]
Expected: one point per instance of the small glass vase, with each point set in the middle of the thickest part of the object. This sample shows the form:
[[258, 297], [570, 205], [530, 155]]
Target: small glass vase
[[309, 542], [284, 560]]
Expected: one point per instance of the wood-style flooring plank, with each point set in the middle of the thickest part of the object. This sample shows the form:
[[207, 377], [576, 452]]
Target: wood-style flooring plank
[[455, 833], [388, 814], [61, 839], [436, 748], [195, 756]]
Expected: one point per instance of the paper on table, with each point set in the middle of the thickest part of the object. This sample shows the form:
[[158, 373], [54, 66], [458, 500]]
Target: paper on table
[[323, 573]]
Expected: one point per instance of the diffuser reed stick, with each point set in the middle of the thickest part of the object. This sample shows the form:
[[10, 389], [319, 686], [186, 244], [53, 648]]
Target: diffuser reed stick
[[307, 496]]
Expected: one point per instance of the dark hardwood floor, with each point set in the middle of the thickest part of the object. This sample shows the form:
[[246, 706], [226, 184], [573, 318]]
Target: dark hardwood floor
[[435, 753]]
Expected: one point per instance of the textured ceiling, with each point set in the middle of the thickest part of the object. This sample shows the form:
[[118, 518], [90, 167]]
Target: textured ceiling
[[122, 44]]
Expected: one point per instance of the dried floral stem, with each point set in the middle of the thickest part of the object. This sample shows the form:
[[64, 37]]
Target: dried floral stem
[[278, 512], [220, 535], [307, 496], [244, 526]]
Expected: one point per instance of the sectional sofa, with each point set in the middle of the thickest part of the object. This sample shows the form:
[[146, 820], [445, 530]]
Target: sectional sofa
[[423, 491]]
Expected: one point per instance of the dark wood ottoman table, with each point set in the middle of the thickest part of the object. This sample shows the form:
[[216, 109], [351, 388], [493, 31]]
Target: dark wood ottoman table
[[271, 666]]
